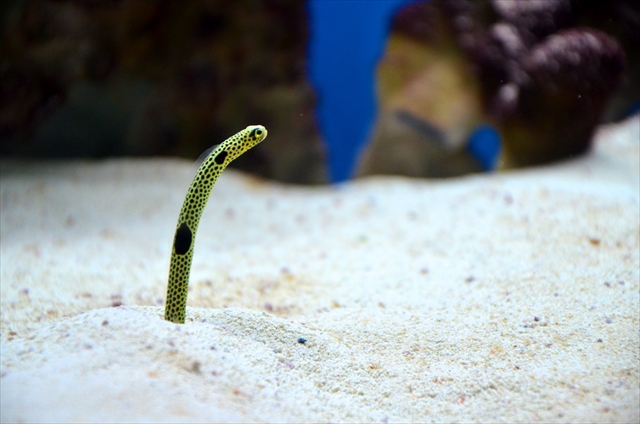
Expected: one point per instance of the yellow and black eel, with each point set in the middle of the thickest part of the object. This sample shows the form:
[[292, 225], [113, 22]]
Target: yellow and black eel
[[194, 203]]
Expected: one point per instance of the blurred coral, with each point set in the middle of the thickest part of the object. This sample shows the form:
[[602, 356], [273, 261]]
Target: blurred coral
[[428, 100], [551, 111], [546, 73], [46, 47], [547, 87], [202, 70]]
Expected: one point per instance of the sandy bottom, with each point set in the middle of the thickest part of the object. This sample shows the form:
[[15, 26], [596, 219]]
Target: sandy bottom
[[510, 297]]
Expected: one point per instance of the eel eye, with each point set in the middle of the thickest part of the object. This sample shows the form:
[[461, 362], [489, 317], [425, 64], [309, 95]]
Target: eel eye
[[258, 132]]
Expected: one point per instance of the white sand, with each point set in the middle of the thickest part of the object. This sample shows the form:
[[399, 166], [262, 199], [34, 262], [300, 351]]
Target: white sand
[[509, 297]]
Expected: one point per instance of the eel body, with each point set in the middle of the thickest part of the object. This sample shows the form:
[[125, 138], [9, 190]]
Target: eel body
[[194, 203]]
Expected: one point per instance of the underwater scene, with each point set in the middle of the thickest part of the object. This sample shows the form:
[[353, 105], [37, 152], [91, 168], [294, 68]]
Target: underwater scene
[[319, 211]]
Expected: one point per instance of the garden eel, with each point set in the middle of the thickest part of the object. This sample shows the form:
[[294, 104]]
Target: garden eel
[[194, 203]]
